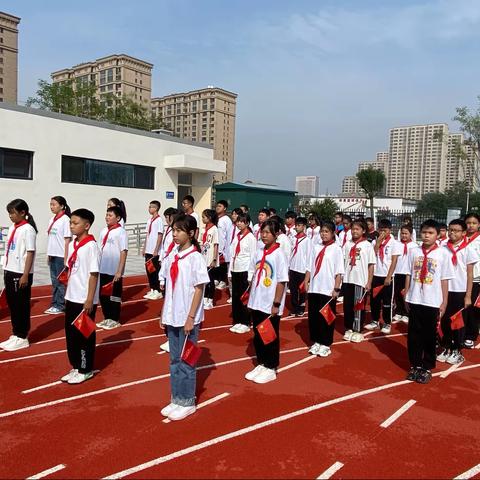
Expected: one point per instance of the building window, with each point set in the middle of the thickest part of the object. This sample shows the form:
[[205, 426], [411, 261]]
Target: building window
[[112, 174], [15, 163]]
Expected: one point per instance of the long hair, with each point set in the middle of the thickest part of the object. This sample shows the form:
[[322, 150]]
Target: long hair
[[20, 205], [119, 203], [187, 224], [63, 203]]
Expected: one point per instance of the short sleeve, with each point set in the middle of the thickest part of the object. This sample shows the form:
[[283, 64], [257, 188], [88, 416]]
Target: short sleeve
[[215, 236], [199, 271], [282, 266], [471, 255], [410, 261], [94, 260], [159, 226], [30, 239], [371, 255], [123, 240], [339, 262], [67, 233], [397, 248], [447, 268]]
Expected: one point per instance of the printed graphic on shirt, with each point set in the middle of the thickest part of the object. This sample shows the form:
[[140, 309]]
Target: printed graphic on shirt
[[269, 272], [432, 265]]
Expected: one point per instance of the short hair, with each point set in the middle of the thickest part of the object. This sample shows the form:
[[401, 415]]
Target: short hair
[[407, 227], [116, 210], [444, 225], [84, 214], [272, 224], [369, 219], [290, 214], [245, 206], [472, 215], [211, 214], [238, 211], [223, 202], [457, 221], [243, 217], [430, 223], [361, 223], [156, 203], [340, 214], [384, 223], [170, 211], [266, 211], [348, 218], [329, 225], [273, 211], [301, 221], [189, 199]]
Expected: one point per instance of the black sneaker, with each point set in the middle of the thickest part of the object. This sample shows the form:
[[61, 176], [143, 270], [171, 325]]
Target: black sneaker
[[469, 344], [412, 374], [423, 376]]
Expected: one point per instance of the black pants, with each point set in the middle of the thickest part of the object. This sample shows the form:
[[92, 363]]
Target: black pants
[[81, 350], [297, 298], [472, 316], [382, 302], [18, 300], [210, 286], [320, 331], [353, 319], [240, 311], [453, 339], [399, 285], [221, 272], [153, 280], [267, 355], [111, 305], [422, 329]]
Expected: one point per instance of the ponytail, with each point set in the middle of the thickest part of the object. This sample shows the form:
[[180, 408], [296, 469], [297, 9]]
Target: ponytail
[[187, 224], [63, 203], [20, 205], [195, 244], [31, 221], [121, 205]]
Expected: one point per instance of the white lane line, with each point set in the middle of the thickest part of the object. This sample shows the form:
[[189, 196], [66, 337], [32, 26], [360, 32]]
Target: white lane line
[[47, 472], [294, 364], [398, 413], [48, 385], [162, 352], [330, 471], [450, 370], [477, 346], [469, 473], [204, 404]]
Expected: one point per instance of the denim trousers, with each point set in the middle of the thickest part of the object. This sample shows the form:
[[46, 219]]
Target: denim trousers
[[183, 377], [56, 265]]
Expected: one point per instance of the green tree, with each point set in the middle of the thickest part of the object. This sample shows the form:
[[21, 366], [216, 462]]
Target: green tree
[[324, 210], [455, 197], [371, 181]]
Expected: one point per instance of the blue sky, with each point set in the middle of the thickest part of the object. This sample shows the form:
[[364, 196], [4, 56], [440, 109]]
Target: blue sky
[[319, 82]]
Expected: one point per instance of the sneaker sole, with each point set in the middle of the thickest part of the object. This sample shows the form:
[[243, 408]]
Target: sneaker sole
[[172, 419]]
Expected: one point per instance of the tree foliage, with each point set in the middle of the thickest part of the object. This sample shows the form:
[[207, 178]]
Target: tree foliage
[[325, 210], [456, 197], [371, 181]]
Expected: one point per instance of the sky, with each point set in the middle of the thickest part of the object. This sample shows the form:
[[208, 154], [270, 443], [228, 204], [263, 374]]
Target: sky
[[319, 82]]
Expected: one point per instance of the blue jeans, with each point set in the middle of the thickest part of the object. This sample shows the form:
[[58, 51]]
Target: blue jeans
[[56, 265], [183, 377]]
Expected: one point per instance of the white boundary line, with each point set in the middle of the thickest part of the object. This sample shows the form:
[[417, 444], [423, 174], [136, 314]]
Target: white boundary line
[[41, 387], [162, 352], [398, 414], [294, 364], [47, 472], [330, 471], [204, 404], [469, 473], [450, 370]]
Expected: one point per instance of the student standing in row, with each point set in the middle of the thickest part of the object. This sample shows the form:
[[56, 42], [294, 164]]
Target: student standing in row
[[372, 234], [59, 237], [290, 229], [224, 225], [116, 202], [263, 216], [338, 220], [151, 249], [313, 230], [18, 272], [187, 204], [209, 251], [346, 234]]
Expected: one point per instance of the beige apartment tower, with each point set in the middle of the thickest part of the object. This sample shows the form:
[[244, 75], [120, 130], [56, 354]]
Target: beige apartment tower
[[206, 115], [350, 185], [120, 75], [8, 57]]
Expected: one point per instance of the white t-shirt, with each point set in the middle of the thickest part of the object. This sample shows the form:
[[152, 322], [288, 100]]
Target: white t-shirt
[[465, 256], [224, 226], [475, 245], [402, 262], [365, 256], [167, 240], [192, 272], [285, 244], [291, 233], [275, 271], [117, 242], [87, 262], [196, 217], [59, 231], [439, 267], [298, 259], [314, 235], [207, 247], [332, 265], [155, 231], [248, 247], [341, 237], [414, 235], [24, 241], [391, 249]]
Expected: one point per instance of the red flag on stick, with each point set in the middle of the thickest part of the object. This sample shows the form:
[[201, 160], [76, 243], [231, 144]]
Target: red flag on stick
[[107, 290], [266, 331], [3, 299], [245, 297], [477, 302], [360, 303], [301, 287], [457, 320], [190, 352], [377, 290], [150, 266], [62, 277], [327, 313], [85, 325], [439, 329]]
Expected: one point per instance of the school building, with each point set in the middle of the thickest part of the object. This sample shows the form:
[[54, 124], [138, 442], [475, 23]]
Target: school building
[[43, 154]]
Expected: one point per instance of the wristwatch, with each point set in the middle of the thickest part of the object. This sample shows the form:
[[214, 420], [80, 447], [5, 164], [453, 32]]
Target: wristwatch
[[276, 304]]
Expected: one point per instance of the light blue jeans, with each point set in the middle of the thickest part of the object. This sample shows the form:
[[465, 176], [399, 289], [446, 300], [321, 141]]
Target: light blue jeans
[[183, 377], [56, 265]]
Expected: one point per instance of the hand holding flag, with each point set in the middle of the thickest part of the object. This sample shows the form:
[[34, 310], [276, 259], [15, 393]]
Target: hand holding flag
[[245, 297], [190, 352], [266, 331], [150, 266], [377, 290], [3, 299], [327, 313], [457, 320], [84, 324], [62, 277], [107, 290]]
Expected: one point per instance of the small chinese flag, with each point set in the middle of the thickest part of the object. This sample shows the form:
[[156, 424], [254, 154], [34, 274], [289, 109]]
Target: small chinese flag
[[150, 266], [457, 320], [477, 302], [377, 290], [3, 299], [360, 304], [62, 277], [245, 297], [403, 293], [439, 330], [328, 314], [190, 353], [301, 287], [84, 324], [266, 331], [107, 290]]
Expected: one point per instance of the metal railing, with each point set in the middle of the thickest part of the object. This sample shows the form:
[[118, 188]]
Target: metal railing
[[136, 236]]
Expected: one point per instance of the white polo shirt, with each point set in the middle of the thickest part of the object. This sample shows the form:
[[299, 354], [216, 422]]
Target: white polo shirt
[[365, 256], [332, 265], [155, 231], [59, 231], [117, 242], [341, 237], [24, 241]]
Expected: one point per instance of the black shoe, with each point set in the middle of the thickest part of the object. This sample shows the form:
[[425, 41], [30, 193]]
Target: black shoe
[[412, 374], [423, 376], [469, 344]]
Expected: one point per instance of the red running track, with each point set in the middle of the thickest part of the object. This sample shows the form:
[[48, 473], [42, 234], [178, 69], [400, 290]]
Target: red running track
[[318, 412]]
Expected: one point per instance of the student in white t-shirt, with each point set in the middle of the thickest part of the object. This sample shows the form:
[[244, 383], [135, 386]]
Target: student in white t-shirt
[[81, 295], [345, 235], [407, 220], [151, 249], [430, 269], [442, 239], [387, 251], [359, 263], [268, 274], [18, 272], [113, 244], [225, 226], [187, 204], [59, 236], [313, 230], [210, 253], [185, 275], [116, 202], [290, 230], [282, 238], [263, 216]]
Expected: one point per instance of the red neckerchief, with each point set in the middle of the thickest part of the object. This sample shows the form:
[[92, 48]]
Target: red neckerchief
[[105, 238], [240, 237], [353, 252], [12, 237], [346, 230], [321, 254], [262, 262], [166, 235], [57, 216], [234, 229], [473, 237], [151, 223], [257, 233], [208, 226], [174, 266], [290, 230], [405, 246], [169, 249], [298, 239], [424, 270], [451, 247], [381, 249], [312, 230], [76, 246]]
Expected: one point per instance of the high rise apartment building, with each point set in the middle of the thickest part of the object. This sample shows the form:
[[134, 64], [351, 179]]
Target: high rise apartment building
[[462, 162], [380, 163], [120, 75], [206, 115], [8, 57], [307, 186], [350, 185]]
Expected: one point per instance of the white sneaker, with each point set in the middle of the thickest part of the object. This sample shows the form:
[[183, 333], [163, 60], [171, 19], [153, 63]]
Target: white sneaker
[[387, 328], [348, 335], [265, 376], [179, 413], [208, 305], [324, 351], [53, 311], [340, 300], [110, 324], [155, 295], [314, 348], [69, 375], [16, 343], [103, 323], [165, 347], [372, 326], [216, 282], [78, 377], [229, 300], [242, 328], [443, 355], [397, 318], [357, 337], [405, 319], [7, 341], [166, 411], [455, 358], [148, 294], [221, 286], [234, 328], [253, 373]]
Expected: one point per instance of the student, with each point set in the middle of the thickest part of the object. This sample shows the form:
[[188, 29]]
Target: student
[[325, 267], [151, 249], [290, 229], [282, 238], [116, 202], [430, 268], [263, 215], [81, 295], [210, 253], [338, 220], [113, 244], [346, 234], [443, 237], [407, 220], [387, 251], [313, 230], [268, 274], [224, 225], [187, 204], [243, 250], [186, 275], [359, 263], [401, 270], [273, 211], [298, 266], [245, 209], [18, 272], [59, 237], [463, 258], [372, 234], [472, 314]]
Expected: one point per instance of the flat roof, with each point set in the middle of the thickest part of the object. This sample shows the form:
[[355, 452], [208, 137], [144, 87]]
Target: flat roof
[[206, 89], [92, 62], [253, 186], [9, 15]]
